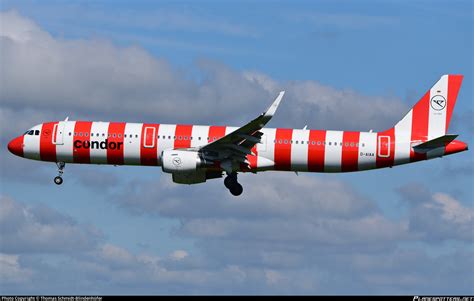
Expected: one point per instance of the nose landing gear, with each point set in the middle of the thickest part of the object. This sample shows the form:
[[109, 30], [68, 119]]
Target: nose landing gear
[[231, 183], [59, 180]]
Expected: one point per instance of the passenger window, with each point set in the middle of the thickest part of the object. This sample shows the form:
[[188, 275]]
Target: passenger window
[[120, 135], [86, 134], [136, 136], [329, 143], [319, 142], [199, 138], [363, 144], [80, 134], [69, 133], [114, 135], [296, 141]]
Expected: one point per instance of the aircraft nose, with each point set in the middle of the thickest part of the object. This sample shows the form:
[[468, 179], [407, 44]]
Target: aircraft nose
[[16, 146]]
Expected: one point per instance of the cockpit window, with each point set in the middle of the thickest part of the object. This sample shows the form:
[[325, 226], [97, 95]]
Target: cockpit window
[[32, 132]]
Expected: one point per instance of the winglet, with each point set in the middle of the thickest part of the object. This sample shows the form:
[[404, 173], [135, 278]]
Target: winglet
[[272, 109]]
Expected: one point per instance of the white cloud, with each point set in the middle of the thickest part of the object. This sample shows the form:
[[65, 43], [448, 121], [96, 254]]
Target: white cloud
[[437, 216], [40, 229], [179, 255], [95, 79], [452, 210], [11, 271]]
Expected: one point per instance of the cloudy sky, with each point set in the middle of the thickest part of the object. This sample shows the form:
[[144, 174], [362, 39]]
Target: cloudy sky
[[345, 65]]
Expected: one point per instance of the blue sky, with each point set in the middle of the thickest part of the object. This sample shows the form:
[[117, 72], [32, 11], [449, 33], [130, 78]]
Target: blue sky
[[345, 65]]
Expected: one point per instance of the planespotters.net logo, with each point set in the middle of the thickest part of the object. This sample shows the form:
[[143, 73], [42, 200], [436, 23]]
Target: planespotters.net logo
[[432, 298]]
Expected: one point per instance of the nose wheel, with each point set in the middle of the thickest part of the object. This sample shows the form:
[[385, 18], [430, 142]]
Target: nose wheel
[[59, 180], [230, 182]]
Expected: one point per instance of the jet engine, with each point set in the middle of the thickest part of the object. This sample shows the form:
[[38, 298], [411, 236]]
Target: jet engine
[[187, 166], [180, 161]]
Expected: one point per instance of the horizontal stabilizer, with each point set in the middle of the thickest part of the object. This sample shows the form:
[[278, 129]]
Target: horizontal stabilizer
[[434, 143]]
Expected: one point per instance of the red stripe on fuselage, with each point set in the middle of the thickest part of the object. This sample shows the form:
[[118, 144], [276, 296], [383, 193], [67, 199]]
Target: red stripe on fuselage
[[149, 155], [216, 132], [47, 148], [115, 143], [350, 151], [386, 161], [82, 131], [183, 136], [283, 149], [315, 151]]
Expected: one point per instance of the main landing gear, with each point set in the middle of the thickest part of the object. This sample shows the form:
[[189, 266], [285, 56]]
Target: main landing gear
[[59, 180], [231, 183]]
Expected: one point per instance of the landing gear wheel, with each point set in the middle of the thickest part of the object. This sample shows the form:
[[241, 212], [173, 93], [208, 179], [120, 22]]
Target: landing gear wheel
[[229, 181], [236, 189], [58, 180]]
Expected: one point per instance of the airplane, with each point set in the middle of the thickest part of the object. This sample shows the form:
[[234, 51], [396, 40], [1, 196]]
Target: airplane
[[195, 153]]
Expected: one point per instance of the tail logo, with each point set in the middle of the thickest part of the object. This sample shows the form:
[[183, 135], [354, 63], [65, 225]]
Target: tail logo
[[438, 102]]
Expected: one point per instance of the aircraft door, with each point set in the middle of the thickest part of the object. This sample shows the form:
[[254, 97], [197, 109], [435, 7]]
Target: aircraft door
[[149, 137], [384, 147], [58, 133]]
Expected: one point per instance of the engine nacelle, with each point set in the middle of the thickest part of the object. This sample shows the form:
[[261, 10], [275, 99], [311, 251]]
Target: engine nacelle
[[180, 161], [187, 166]]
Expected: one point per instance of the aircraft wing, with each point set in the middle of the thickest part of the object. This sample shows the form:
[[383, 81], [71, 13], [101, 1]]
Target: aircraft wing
[[235, 146]]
